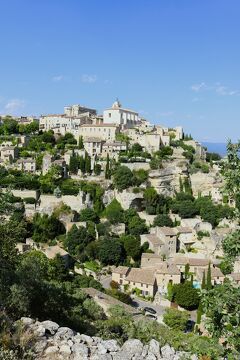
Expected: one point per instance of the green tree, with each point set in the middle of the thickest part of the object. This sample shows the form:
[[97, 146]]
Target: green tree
[[87, 163], [76, 240], [88, 214], [114, 212], [209, 278], [107, 169], [132, 246], [222, 308], [176, 319], [137, 226], [186, 296], [203, 286], [186, 271], [231, 244], [151, 200], [123, 178], [46, 228], [80, 143], [57, 269], [74, 164], [230, 170], [111, 251], [163, 220]]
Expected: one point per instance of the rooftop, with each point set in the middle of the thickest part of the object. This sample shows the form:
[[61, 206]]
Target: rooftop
[[141, 276], [52, 251], [123, 270], [154, 239], [168, 268], [191, 261], [235, 276], [184, 230], [98, 125], [167, 231]]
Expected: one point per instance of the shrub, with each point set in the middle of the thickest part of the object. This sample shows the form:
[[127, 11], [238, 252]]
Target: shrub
[[176, 319], [162, 220], [29, 200], [114, 285], [186, 296]]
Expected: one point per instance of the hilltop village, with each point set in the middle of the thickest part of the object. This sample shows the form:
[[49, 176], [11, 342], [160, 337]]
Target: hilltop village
[[134, 214]]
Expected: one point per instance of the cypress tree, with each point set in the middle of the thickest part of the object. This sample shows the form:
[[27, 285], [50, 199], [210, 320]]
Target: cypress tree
[[209, 278], [180, 184], [80, 143], [87, 163], [107, 170], [82, 164], [203, 281], [199, 313], [186, 273]]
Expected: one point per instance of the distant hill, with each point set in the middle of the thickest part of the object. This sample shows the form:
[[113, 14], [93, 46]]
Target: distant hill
[[219, 148]]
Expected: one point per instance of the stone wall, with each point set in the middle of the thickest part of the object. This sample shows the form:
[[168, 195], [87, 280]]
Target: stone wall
[[61, 343]]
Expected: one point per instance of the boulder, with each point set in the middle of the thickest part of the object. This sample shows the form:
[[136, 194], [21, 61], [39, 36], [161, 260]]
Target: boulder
[[50, 326]]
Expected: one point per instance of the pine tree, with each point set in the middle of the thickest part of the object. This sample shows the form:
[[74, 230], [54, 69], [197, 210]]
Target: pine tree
[[107, 170], [203, 281], [80, 143], [209, 278]]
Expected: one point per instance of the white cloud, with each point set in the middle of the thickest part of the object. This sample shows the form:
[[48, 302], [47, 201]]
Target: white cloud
[[217, 88], [57, 78], [14, 105], [90, 79], [198, 87]]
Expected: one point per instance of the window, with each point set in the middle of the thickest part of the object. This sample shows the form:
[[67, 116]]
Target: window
[[147, 286], [109, 115]]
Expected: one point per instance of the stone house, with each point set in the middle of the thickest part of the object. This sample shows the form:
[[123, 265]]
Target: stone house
[[186, 236], [93, 146], [217, 276], [52, 251], [194, 263], [113, 148], [101, 131], [167, 273], [142, 279], [9, 153], [28, 165], [235, 277], [150, 260], [162, 241]]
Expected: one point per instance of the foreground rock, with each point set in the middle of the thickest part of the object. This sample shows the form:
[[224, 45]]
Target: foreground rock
[[53, 342]]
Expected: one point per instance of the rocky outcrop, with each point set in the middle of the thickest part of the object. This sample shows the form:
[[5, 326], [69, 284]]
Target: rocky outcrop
[[167, 180], [207, 184], [54, 342]]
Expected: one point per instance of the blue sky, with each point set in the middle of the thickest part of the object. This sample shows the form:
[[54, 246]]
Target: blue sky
[[175, 61]]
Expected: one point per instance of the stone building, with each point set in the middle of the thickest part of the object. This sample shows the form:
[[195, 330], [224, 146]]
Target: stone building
[[73, 117], [27, 165], [9, 153], [125, 118], [142, 279], [105, 132]]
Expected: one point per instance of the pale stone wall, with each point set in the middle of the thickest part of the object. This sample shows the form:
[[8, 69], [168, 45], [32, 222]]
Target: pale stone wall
[[138, 166]]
